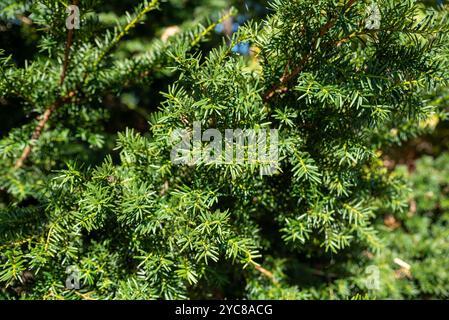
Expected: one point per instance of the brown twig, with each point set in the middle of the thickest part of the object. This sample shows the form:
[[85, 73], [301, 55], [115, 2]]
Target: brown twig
[[49, 111], [281, 85], [40, 127], [67, 51], [266, 273]]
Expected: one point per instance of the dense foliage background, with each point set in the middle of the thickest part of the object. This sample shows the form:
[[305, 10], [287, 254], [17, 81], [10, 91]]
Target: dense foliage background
[[362, 189]]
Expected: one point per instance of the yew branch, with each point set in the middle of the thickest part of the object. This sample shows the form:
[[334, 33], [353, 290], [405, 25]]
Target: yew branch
[[49, 111]]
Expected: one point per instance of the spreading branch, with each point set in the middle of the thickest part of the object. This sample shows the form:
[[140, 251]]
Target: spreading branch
[[281, 86], [49, 111]]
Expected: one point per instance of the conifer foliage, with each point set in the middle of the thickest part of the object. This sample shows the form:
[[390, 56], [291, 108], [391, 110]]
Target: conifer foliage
[[337, 78]]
